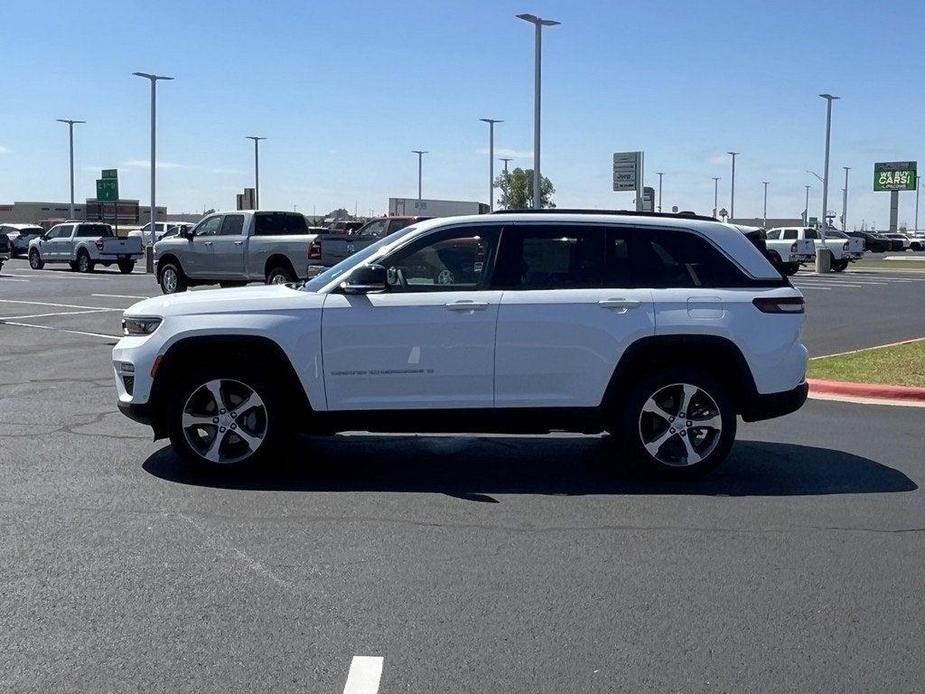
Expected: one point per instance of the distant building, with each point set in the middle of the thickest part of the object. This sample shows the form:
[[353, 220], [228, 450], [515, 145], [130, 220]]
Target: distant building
[[129, 212]]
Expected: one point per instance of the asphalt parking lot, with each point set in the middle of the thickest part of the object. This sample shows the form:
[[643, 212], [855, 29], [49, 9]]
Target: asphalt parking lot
[[508, 564]]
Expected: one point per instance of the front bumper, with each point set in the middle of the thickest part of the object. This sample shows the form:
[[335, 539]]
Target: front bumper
[[768, 406]]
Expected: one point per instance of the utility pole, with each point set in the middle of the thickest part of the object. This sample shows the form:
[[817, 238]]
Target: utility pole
[[256, 140], [70, 128], [806, 208], [420, 153], [491, 160], [153, 79], [844, 202], [825, 173], [660, 174], [505, 160], [732, 194], [765, 204], [716, 180]]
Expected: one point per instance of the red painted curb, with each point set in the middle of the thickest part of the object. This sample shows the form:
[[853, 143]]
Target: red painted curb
[[867, 390]]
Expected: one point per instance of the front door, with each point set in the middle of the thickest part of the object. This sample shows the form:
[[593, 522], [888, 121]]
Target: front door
[[228, 249], [426, 342], [198, 256]]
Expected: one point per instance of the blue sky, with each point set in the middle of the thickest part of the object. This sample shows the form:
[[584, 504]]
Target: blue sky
[[344, 90]]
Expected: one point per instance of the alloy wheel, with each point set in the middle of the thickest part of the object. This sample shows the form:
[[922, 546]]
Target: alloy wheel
[[680, 425], [224, 421], [169, 280]]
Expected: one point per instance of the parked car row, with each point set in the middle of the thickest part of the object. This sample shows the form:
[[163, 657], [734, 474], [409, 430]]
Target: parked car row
[[19, 236], [84, 245], [795, 245]]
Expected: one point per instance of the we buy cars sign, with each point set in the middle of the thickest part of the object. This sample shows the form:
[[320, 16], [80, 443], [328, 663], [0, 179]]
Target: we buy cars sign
[[895, 175]]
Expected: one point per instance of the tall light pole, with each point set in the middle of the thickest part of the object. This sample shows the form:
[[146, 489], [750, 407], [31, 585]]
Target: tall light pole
[[660, 174], [825, 173], [538, 23], [70, 128], [732, 194], [765, 204], [256, 140], [844, 202], [491, 160], [153, 79], [806, 208], [716, 180], [505, 160], [420, 153], [918, 186]]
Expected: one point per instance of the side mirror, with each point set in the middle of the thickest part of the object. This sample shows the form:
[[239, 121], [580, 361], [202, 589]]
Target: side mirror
[[365, 279], [187, 233]]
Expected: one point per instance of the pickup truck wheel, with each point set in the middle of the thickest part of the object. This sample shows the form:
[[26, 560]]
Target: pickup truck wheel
[[790, 269], [84, 264], [172, 279], [839, 265], [126, 266], [280, 275], [226, 415], [680, 423], [35, 260]]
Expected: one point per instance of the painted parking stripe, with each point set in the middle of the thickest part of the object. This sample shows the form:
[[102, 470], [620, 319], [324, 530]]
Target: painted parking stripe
[[123, 296], [365, 673], [47, 315], [48, 303], [11, 279], [61, 330]]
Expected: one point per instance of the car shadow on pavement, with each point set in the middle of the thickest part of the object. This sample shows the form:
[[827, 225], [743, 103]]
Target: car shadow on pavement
[[473, 468]]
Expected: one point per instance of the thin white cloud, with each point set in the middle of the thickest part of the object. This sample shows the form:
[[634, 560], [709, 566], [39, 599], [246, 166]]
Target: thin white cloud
[[3, 150], [146, 164], [717, 159], [507, 152]]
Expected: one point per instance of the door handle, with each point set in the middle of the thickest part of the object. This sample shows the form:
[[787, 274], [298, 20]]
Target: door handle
[[622, 305], [238, 243], [467, 306]]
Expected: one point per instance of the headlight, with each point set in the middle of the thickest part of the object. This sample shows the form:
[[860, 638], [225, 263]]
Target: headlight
[[139, 326]]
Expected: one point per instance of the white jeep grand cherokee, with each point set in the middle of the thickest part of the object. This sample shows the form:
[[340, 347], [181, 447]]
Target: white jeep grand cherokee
[[660, 329]]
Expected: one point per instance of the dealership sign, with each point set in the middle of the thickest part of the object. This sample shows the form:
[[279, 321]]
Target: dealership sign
[[627, 171], [894, 175]]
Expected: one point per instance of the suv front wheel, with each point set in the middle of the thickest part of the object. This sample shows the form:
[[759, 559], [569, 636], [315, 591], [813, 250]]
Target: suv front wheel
[[681, 423]]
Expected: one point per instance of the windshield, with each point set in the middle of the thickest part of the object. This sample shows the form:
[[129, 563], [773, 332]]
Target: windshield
[[329, 275]]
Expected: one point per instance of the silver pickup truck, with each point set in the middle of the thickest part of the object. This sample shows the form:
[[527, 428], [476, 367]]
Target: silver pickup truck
[[233, 248], [332, 247], [84, 245]]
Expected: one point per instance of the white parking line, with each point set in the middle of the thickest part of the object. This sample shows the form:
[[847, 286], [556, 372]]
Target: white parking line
[[58, 313], [122, 296], [62, 330], [10, 279], [365, 673], [48, 303]]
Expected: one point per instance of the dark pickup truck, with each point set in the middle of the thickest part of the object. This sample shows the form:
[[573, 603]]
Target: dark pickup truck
[[329, 249]]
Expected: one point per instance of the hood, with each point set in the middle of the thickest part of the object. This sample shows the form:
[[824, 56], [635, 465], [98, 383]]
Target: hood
[[273, 297]]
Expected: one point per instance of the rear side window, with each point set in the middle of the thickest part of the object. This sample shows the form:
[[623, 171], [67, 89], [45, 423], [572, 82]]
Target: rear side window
[[810, 234], [550, 257], [85, 231], [279, 224]]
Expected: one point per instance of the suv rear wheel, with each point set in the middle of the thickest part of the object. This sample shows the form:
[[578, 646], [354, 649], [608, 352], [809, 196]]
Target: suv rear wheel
[[226, 415], [679, 422]]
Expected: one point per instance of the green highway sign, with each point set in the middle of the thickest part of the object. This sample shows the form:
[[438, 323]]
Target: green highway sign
[[110, 173], [107, 189], [894, 175]]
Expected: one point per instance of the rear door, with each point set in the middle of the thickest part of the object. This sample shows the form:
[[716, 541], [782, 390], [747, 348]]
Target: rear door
[[229, 247], [568, 312]]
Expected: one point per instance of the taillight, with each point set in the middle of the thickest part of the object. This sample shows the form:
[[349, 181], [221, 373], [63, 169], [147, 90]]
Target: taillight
[[793, 248], [845, 247], [787, 304], [314, 250], [99, 244]]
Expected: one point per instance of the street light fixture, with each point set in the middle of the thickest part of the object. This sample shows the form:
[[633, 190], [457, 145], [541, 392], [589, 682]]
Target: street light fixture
[[821, 180], [538, 23], [732, 194], [420, 153], [765, 204], [70, 128], [491, 160], [660, 174], [716, 180], [153, 79], [256, 140]]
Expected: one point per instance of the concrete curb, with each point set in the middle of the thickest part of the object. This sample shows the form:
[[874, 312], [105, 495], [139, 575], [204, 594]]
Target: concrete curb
[[866, 390]]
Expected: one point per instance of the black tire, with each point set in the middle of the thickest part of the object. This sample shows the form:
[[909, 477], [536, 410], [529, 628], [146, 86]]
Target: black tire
[[775, 259], [84, 264], [642, 430], [171, 278], [73, 265], [839, 265], [35, 260], [916, 246], [280, 274], [790, 269], [267, 424], [126, 266]]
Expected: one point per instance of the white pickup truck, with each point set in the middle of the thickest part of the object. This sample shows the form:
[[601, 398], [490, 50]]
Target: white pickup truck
[[787, 253], [844, 248], [84, 245]]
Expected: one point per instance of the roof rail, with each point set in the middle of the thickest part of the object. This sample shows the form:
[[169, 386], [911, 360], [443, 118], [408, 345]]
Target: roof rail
[[628, 213]]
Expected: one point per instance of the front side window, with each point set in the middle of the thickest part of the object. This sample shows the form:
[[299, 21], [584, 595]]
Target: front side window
[[774, 234], [209, 226], [233, 225], [550, 257], [373, 230], [452, 260]]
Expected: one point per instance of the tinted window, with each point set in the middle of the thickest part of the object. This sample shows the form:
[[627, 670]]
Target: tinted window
[[452, 260], [279, 224], [810, 234], [790, 234], [396, 224], [774, 234], [233, 225], [550, 257], [373, 230], [666, 258], [209, 226], [94, 231]]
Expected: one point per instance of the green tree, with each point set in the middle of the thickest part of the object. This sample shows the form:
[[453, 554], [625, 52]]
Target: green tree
[[517, 190]]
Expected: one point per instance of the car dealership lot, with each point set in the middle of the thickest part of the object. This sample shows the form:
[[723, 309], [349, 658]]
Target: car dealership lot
[[468, 564]]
